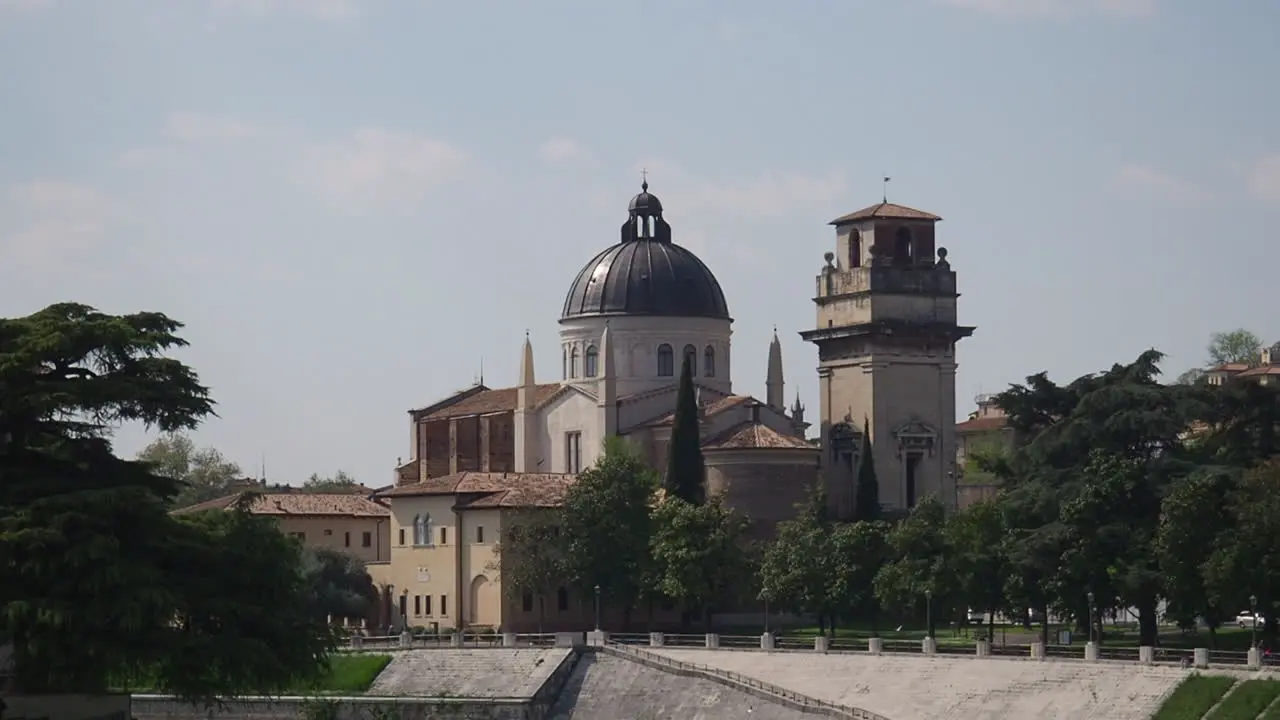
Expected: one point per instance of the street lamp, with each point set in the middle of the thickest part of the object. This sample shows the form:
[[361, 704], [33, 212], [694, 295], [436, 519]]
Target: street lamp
[[1090, 597], [928, 613], [1253, 612], [597, 608]]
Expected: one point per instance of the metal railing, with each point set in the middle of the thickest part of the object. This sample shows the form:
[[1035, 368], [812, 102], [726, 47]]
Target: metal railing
[[804, 701]]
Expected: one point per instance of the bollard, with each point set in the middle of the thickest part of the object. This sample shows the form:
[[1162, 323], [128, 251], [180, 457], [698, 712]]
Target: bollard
[[597, 638], [508, 639], [1146, 654], [821, 643], [657, 639], [1202, 658], [713, 640], [1037, 651], [456, 640], [1091, 652], [875, 646], [1255, 659], [406, 639], [929, 646], [766, 641], [357, 641], [568, 639], [983, 649]]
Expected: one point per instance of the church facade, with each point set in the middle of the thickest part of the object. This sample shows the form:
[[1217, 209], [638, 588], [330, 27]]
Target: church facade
[[631, 317]]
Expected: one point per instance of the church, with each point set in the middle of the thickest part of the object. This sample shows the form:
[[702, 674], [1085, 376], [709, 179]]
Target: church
[[886, 332]]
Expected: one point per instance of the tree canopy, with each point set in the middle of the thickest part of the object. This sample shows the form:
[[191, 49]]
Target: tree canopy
[[1233, 346], [339, 482], [98, 582], [203, 473]]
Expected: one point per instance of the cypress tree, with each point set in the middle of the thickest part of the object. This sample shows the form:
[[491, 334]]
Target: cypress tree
[[685, 471], [867, 501]]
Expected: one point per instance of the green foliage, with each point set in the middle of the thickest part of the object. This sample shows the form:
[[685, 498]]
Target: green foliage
[[348, 673], [698, 552], [686, 474], [1244, 561], [917, 570], [1235, 346], [974, 549], [866, 506], [97, 580], [532, 556], [339, 482], [340, 586], [607, 525], [204, 473], [1193, 697], [1193, 515], [1247, 701]]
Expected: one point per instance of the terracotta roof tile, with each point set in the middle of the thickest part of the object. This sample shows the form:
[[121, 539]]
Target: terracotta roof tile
[[297, 503], [465, 483], [981, 424], [490, 401], [1261, 370], [885, 210], [755, 435], [709, 409], [537, 491], [1229, 368]]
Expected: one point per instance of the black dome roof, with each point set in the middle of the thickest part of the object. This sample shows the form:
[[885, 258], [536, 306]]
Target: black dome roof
[[646, 274]]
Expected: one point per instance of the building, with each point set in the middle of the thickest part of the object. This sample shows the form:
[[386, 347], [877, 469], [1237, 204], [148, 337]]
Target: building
[[632, 316], [886, 334], [348, 522], [1265, 371], [986, 431]]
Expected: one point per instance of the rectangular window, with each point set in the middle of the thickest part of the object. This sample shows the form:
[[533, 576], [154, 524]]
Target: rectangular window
[[327, 532], [444, 604], [913, 464], [444, 536], [366, 539], [299, 535], [404, 605], [417, 605], [426, 604], [402, 536], [526, 602], [562, 599], [346, 539], [480, 534], [573, 452]]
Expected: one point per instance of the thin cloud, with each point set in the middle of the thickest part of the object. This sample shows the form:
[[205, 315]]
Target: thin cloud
[[201, 128], [1146, 179], [765, 195], [563, 151], [1058, 8], [24, 5], [321, 9], [51, 220], [384, 165], [1264, 179]]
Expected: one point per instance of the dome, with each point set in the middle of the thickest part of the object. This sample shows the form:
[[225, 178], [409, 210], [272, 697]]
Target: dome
[[646, 274]]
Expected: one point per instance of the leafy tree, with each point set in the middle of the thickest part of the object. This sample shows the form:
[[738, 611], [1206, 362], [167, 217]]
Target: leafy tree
[[1244, 562], [867, 501], [1235, 346], [698, 552], [917, 571], [607, 525], [1240, 423], [1190, 377], [340, 585], [339, 482], [854, 554], [204, 473], [531, 557], [1192, 518], [97, 579], [793, 568], [976, 545], [686, 474]]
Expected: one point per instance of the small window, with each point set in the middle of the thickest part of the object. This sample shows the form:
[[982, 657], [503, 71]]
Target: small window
[[480, 534], [366, 539], [426, 604], [417, 605], [666, 361], [709, 362], [592, 361], [562, 599], [573, 363], [328, 532], [404, 605], [299, 535], [903, 253], [564, 364], [689, 359], [573, 452], [346, 539], [444, 536], [855, 249], [401, 536], [526, 602], [422, 529], [444, 604]]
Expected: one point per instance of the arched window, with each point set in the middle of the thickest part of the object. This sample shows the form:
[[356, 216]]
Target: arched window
[[666, 361], [422, 529], [592, 358], [690, 358], [709, 362], [573, 363], [855, 249], [564, 364], [902, 254]]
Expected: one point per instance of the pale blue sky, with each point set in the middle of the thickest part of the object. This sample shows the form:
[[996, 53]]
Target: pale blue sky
[[351, 202]]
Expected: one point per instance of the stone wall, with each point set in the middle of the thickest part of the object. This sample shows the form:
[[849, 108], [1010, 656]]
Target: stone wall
[[153, 707]]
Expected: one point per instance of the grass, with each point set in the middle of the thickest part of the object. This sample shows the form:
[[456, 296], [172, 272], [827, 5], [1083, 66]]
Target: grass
[[1251, 698], [1193, 698], [1273, 713], [348, 673]]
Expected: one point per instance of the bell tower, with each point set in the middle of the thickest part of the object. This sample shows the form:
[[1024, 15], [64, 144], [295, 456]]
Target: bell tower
[[886, 336]]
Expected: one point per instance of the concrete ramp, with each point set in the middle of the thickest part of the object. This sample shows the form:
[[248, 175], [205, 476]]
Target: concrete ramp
[[606, 687], [904, 687], [468, 672]]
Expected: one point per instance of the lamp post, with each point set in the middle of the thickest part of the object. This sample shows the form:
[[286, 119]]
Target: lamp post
[[1253, 613], [765, 595], [1090, 597], [597, 608], [928, 613]]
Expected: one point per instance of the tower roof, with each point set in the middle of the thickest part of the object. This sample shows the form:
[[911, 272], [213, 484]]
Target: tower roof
[[886, 210]]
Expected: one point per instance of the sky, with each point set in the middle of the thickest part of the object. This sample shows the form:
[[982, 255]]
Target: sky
[[355, 205]]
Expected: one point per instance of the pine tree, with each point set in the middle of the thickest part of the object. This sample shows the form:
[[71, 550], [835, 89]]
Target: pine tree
[[685, 471], [867, 502]]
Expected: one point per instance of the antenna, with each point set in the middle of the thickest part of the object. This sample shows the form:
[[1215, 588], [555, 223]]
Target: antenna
[[885, 196], [481, 369], [264, 468]]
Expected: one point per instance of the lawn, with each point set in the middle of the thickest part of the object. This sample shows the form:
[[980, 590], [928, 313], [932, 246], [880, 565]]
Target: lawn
[[1251, 698], [348, 673], [1193, 698]]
